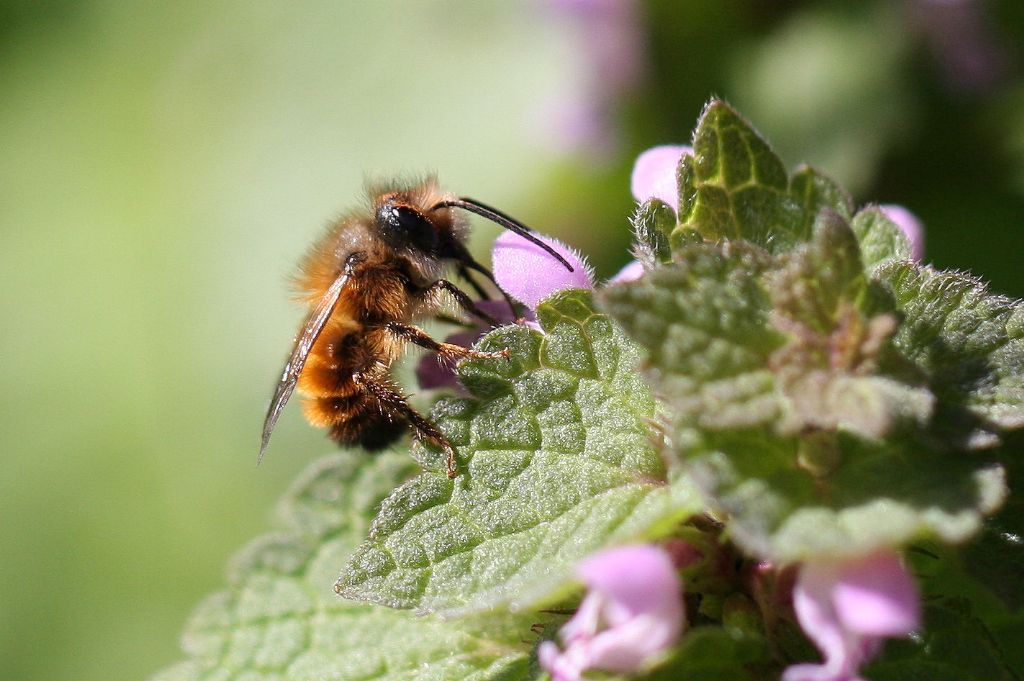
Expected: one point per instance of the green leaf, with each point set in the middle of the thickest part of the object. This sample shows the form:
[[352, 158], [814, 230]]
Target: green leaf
[[872, 494], [772, 375], [996, 558], [881, 240], [652, 223], [954, 645], [734, 186], [829, 369], [815, 192], [710, 653], [704, 321], [817, 283], [970, 345], [279, 619], [556, 461]]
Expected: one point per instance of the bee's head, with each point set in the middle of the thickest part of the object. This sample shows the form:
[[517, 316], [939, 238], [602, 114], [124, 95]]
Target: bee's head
[[409, 221], [405, 227], [419, 222]]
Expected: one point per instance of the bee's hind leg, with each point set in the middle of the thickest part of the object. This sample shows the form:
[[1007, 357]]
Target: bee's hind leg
[[393, 402], [447, 350]]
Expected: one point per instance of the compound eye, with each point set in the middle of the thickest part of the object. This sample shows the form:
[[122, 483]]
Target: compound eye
[[407, 226]]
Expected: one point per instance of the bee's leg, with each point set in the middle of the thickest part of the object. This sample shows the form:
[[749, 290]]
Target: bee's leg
[[392, 400], [454, 321], [461, 297], [464, 273], [447, 350], [469, 264]]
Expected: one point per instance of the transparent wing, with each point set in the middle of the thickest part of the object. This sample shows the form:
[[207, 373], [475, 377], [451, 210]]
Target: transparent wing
[[303, 344]]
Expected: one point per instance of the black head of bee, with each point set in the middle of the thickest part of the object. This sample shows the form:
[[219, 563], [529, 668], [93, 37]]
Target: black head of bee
[[405, 227]]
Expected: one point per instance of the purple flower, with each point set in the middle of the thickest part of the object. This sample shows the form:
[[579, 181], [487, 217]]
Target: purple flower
[[631, 272], [654, 174], [966, 40], [847, 607], [433, 371], [530, 274], [910, 225], [632, 612], [606, 36], [527, 273]]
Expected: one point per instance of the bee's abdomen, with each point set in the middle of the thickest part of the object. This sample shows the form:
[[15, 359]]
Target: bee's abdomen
[[375, 429], [341, 351], [333, 381], [357, 418]]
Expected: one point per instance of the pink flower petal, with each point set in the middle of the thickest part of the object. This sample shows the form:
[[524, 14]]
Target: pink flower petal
[[813, 606], [633, 611], [584, 623], [875, 596], [616, 574], [654, 174], [627, 647], [530, 274], [630, 272], [910, 225], [559, 665], [847, 607]]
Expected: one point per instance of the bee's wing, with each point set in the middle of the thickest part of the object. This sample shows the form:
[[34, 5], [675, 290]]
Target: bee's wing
[[303, 344]]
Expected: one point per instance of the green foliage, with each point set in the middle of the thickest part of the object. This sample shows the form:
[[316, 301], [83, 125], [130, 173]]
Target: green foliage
[[704, 320], [653, 221], [712, 653], [802, 360], [955, 645], [969, 344], [772, 376], [278, 618], [815, 192], [828, 371], [995, 560], [782, 383], [734, 186], [881, 241], [557, 461]]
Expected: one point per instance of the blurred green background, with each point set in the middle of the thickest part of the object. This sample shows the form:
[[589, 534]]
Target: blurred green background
[[164, 165]]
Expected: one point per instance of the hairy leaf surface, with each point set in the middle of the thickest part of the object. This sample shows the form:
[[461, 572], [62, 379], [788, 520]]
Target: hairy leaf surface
[[279, 619], [788, 405], [556, 462]]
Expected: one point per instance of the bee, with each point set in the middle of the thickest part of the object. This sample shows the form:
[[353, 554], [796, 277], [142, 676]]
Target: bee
[[365, 282]]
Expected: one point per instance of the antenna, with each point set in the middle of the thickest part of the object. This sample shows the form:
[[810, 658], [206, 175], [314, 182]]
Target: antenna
[[511, 224]]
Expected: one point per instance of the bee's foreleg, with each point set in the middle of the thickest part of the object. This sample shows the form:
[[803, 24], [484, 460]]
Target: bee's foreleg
[[464, 273], [419, 337], [454, 321], [461, 298]]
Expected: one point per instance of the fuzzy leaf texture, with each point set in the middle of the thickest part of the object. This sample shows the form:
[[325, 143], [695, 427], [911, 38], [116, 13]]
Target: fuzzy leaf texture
[[881, 241], [556, 462], [838, 330], [970, 345], [653, 221], [735, 187], [279, 619], [791, 401]]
